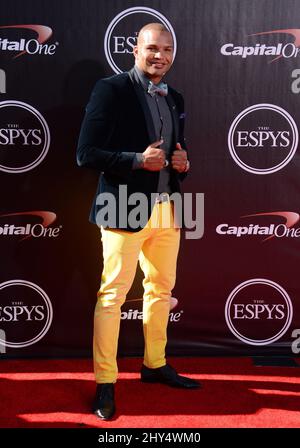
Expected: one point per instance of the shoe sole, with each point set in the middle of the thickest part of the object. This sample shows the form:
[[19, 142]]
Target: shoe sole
[[104, 418], [151, 380]]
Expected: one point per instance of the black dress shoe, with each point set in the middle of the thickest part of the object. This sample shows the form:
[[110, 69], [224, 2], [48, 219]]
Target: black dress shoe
[[168, 375], [104, 403]]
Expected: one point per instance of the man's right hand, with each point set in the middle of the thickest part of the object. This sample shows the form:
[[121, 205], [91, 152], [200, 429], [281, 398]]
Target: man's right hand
[[154, 157]]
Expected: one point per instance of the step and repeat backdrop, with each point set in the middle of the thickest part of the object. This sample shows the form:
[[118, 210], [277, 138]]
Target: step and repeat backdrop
[[237, 64]]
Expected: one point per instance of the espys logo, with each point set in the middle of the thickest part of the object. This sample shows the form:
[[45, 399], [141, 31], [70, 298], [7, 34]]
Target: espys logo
[[24, 225], [263, 139], [25, 45], [25, 313], [24, 137], [121, 35], [258, 228], [280, 50], [258, 311], [134, 314]]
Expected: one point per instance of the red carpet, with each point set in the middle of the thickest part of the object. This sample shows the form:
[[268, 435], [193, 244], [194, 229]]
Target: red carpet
[[235, 394]]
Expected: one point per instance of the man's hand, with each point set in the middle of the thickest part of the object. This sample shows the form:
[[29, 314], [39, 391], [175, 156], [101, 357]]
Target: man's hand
[[154, 157], [179, 159]]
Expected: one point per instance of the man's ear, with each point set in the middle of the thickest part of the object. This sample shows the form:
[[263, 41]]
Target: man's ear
[[135, 51]]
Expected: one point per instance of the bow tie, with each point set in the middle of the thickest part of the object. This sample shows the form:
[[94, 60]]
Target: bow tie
[[161, 88]]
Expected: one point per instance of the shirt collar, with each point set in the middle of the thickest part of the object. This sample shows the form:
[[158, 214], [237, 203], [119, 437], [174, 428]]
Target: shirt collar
[[142, 78]]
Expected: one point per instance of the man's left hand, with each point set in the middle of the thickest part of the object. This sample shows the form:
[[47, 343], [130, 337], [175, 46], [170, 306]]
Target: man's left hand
[[179, 159]]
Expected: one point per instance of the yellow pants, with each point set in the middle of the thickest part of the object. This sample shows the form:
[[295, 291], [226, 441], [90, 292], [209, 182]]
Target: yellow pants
[[156, 249]]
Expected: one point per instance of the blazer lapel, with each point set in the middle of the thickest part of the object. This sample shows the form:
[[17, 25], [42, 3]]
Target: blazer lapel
[[143, 102], [148, 117], [174, 113]]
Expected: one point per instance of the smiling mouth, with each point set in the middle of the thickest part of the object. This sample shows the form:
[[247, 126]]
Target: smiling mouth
[[158, 65]]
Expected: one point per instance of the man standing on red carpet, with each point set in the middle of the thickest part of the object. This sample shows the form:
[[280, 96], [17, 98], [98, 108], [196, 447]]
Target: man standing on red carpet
[[132, 133]]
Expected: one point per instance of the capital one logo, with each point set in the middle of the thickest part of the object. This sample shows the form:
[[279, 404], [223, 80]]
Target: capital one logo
[[137, 313], [258, 312], [23, 225], [265, 231], [12, 42], [24, 137], [280, 50], [263, 139], [121, 35], [25, 313]]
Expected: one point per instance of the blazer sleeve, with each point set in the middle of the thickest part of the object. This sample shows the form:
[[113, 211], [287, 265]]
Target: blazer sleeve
[[181, 137], [93, 150]]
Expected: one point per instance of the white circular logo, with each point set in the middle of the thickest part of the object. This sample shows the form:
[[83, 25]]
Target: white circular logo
[[258, 311], [24, 137], [25, 313], [120, 38], [263, 139]]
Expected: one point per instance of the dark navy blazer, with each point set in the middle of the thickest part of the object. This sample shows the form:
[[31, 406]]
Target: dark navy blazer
[[117, 124]]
